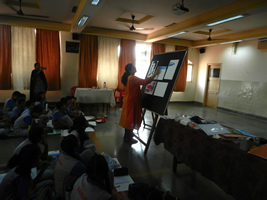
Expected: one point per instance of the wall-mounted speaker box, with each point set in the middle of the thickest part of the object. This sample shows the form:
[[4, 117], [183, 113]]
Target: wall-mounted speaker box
[[202, 50], [76, 36]]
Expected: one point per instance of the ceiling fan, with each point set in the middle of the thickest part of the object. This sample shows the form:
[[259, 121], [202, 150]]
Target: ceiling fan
[[20, 12], [132, 28], [209, 38]]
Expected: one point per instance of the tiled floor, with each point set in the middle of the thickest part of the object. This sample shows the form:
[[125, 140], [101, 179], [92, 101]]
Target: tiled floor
[[155, 168]]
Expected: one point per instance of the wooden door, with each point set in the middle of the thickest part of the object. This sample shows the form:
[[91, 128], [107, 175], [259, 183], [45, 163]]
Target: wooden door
[[213, 85]]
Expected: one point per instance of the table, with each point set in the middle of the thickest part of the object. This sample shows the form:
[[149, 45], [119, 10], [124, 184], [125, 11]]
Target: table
[[90, 96], [238, 173]]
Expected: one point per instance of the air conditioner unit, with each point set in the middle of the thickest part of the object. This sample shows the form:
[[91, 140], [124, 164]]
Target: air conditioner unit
[[262, 40]]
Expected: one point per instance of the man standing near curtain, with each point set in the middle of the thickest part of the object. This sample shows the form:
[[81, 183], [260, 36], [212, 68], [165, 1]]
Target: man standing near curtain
[[38, 82]]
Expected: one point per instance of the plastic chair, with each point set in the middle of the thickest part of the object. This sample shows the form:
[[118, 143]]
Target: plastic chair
[[73, 89], [119, 95]]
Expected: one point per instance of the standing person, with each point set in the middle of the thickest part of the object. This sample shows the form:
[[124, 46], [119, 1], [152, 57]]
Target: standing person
[[38, 81], [131, 109]]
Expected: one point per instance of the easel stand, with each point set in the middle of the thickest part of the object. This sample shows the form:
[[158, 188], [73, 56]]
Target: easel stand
[[155, 119]]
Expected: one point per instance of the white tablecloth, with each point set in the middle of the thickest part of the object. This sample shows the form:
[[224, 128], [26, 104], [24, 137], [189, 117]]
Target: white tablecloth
[[88, 95]]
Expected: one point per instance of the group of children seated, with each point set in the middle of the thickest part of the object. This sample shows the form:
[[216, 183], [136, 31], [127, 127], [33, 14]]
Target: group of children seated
[[18, 114], [77, 173]]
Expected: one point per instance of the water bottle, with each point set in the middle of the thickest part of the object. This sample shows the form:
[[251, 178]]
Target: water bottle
[[104, 86]]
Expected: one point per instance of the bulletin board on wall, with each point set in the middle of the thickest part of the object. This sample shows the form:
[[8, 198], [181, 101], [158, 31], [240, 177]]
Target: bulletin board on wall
[[156, 95]]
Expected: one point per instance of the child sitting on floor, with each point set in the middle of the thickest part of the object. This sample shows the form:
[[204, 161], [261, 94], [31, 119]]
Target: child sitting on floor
[[11, 103], [61, 119], [17, 110]]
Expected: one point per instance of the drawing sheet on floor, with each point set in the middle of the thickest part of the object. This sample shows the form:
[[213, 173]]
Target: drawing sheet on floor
[[121, 183]]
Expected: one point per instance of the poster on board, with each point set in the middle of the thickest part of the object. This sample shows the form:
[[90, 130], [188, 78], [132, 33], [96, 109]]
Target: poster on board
[[156, 95]]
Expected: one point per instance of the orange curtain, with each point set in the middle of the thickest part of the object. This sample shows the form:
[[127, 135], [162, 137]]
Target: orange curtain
[[48, 55], [5, 57], [88, 61], [127, 55], [181, 81], [157, 48]]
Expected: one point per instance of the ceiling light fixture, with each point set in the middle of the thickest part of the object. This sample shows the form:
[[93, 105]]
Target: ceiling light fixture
[[231, 42], [94, 2], [83, 20], [182, 32], [227, 20]]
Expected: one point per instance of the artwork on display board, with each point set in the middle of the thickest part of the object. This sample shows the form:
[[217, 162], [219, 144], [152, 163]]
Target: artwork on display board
[[156, 95]]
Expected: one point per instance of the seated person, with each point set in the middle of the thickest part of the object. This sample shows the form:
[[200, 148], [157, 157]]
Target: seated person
[[17, 110], [22, 96], [69, 166], [22, 124], [97, 183], [70, 107], [67, 102], [37, 136], [41, 100], [78, 129], [29, 105], [5, 126], [11, 103], [61, 119], [17, 183]]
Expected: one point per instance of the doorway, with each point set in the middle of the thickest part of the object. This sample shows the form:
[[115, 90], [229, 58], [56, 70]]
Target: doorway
[[212, 85]]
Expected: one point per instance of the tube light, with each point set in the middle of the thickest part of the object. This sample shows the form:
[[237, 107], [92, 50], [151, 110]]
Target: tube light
[[182, 32], [82, 20], [231, 42], [94, 2], [226, 20]]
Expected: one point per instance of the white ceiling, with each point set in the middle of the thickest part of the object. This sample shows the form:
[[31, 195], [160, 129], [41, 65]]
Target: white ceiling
[[104, 15]]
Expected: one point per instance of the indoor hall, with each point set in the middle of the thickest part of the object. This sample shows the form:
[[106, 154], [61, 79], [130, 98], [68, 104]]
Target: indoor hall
[[155, 168]]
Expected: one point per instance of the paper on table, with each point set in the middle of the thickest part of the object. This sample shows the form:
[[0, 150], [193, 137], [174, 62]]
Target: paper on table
[[89, 129], [89, 118], [92, 123], [65, 133], [160, 89], [213, 129], [171, 69], [260, 151], [49, 124]]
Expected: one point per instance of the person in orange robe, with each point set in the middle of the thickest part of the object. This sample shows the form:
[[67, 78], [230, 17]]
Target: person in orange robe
[[131, 109]]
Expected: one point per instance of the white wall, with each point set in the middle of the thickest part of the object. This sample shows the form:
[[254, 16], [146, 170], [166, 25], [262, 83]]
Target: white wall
[[189, 93], [243, 85]]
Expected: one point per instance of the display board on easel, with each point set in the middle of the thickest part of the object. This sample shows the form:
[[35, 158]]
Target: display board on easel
[[156, 95]]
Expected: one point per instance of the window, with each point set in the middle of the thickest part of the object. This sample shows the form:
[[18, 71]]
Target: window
[[189, 71], [142, 53]]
